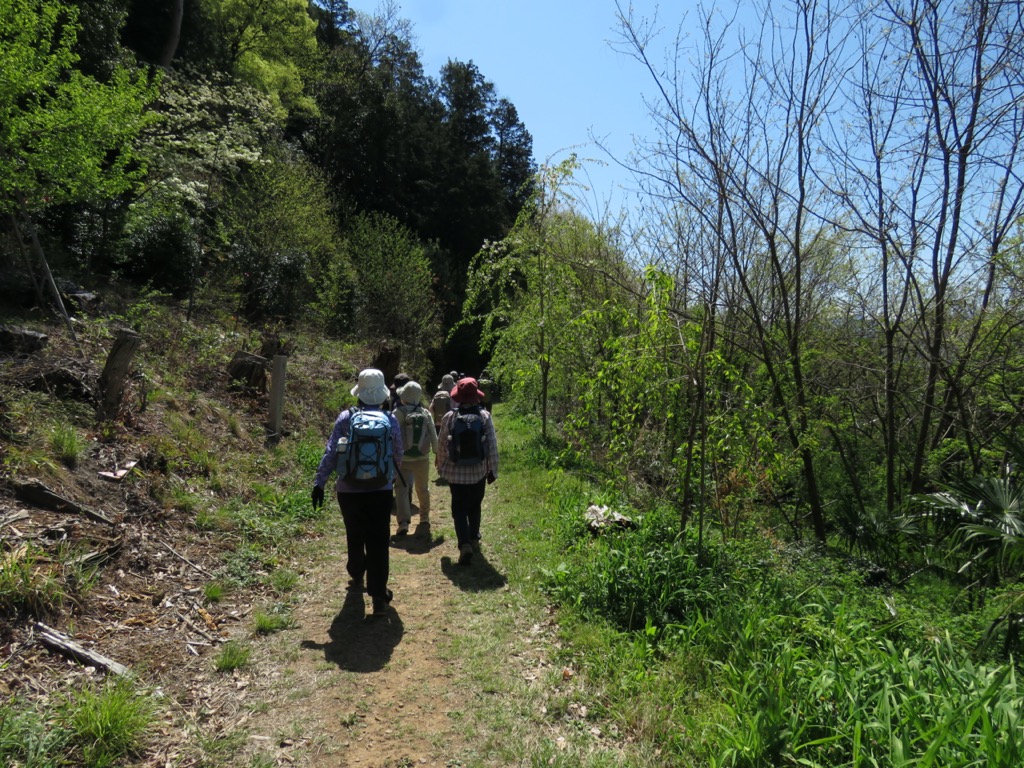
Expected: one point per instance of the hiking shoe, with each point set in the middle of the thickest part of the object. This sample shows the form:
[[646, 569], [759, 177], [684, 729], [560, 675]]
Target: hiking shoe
[[403, 529], [465, 554], [380, 602]]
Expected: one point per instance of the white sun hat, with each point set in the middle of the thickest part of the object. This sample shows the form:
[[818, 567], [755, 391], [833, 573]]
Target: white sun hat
[[371, 388]]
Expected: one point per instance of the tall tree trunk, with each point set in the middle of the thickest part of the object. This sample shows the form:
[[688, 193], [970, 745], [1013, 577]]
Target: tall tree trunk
[[173, 34]]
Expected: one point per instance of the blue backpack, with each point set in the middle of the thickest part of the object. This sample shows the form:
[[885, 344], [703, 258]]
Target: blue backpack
[[365, 454], [466, 437]]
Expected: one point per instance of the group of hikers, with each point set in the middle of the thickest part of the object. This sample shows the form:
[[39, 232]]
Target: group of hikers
[[380, 451]]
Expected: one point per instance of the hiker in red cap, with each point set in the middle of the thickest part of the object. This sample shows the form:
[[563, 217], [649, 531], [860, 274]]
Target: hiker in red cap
[[467, 457]]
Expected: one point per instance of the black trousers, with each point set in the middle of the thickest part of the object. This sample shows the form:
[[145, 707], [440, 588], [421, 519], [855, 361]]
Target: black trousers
[[367, 519], [466, 503]]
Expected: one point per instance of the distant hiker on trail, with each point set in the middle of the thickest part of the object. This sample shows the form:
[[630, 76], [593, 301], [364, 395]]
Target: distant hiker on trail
[[365, 449], [442, 402], [467, 457], [487, 387], [418, 437], [400, 380]]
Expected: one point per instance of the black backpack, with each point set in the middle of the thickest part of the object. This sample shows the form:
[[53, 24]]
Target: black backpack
[[467, 437]]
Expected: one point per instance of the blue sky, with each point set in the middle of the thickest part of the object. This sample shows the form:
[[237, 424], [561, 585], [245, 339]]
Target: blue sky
[[552, 59]]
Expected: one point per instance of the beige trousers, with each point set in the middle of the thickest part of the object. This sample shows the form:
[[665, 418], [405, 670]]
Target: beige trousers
[[415, 474]]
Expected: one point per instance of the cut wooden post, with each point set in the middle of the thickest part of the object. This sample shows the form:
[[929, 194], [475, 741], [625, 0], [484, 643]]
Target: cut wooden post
[[277, 377], [115, 372]]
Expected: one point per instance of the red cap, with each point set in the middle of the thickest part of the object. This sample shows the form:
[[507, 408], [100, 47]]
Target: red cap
[[467, 392]]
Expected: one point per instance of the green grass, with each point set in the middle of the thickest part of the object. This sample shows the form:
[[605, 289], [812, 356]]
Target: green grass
[[30, 584], [97, 725], [233, 655], [283, 580], [214, 591], [273, 620], [67, 444]]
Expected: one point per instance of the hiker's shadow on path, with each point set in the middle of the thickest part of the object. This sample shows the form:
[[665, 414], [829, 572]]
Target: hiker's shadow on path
[[478, 576], [419, 542], [360, 642]]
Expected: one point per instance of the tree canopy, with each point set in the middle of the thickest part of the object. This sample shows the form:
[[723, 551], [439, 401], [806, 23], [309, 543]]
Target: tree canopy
[[64, 136]]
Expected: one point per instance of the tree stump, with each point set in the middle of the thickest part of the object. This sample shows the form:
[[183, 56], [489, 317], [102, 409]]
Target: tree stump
[[115, 372], [248, 372], [388, 361]]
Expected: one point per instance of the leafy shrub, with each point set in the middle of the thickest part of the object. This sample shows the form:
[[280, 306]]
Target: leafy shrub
[[279, 226], [630, 577], [159, 246]]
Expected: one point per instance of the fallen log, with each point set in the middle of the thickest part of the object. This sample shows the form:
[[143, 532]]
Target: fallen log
[[21, 341], [64, 644], [34, 492]]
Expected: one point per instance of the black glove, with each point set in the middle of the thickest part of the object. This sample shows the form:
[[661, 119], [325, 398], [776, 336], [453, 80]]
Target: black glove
[[318, 497], [490, 478]]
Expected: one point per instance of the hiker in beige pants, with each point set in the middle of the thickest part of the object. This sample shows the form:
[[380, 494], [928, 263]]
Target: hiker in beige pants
[[412, 418]]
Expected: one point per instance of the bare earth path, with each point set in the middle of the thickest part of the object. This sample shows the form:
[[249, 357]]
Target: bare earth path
[[342, 688]]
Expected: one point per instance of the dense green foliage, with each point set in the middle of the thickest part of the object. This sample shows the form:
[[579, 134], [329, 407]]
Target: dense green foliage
[[795, 344], [751, 653], [266, 134], [65, 136]]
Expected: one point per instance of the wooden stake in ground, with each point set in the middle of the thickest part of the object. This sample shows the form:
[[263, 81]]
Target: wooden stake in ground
[[277, 378]]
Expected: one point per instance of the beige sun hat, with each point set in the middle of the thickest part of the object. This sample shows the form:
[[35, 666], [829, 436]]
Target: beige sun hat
[[411, 393], [371, 388]]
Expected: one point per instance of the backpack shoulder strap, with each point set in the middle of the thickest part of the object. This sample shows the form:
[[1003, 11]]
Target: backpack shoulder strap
[[346, 425]]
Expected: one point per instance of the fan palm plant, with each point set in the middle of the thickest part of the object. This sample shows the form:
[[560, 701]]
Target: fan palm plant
[[980, 522]]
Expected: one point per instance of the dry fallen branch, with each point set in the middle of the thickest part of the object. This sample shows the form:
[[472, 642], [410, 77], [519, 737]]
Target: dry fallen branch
[[13, 517], [61, 642], [195, 628], [99, 556], [185, 559]]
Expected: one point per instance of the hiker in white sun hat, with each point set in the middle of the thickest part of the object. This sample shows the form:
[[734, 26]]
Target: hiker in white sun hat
[[371, 389], [365, 450]]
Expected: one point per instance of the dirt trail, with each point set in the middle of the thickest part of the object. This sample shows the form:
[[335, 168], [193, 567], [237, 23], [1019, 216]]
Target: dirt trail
[[343, 688]]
